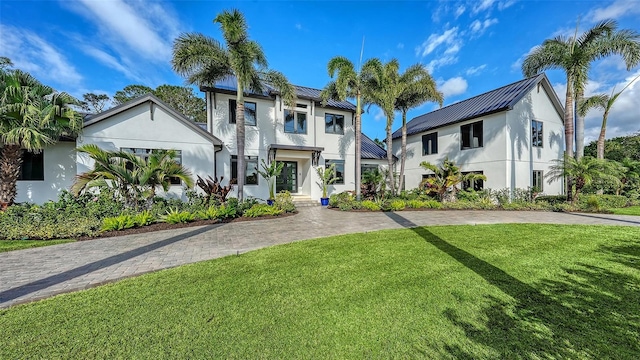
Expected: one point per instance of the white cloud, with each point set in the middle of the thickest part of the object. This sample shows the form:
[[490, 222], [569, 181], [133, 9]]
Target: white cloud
[[453, 86], [478, 27], [400, 46], [617, 9], [449, 37], [32, 53], [298, 26], [110, 61], [517, 65], [439, 62], [379, 115], [475, 70], [483, 5], [460, 10]]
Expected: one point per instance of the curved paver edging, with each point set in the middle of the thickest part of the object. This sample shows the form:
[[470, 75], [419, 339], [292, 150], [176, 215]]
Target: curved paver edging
[[32, 274]]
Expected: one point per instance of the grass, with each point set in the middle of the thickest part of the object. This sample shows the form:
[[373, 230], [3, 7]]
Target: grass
[[10, 245], [631, 210], [487, 291]]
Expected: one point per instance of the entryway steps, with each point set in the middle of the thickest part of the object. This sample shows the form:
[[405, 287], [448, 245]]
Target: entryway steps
[[304, 201]]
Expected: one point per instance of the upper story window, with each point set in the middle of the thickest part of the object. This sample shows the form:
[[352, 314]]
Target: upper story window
[[295, 122], [430, 144], [333, 123], [471, 136], [250, 112], [536, 133], [32, 166], [250, 172], [144, 155], [339, 169]]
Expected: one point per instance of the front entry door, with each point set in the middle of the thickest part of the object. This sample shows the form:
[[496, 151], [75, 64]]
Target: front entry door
[[288, 179]]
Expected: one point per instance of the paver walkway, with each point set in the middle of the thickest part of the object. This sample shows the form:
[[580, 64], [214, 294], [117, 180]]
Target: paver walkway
[[32, 274]]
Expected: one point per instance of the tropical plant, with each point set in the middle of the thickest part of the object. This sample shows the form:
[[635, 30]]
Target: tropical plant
[[372, 183], [446, 178], [32, 117], [327, 177], [203, 60], [604, 102], [581, 173], [258, 210], [133, 178], [618, 148], [175, 216], [574, 56], [213, 188], [418, 88], [349, 83], [269, 173]]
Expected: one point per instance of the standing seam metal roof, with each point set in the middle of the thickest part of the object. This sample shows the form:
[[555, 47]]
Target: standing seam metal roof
[[370, 150], [494, 101]]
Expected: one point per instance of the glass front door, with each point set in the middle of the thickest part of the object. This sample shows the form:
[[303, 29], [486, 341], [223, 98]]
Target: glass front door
[[288, 179]]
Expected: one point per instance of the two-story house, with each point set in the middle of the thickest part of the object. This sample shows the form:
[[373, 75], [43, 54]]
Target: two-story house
[[511, 134]]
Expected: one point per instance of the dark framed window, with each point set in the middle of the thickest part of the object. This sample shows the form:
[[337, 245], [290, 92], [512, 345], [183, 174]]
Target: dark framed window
[[364, 168], [536, 133], [32, 166], [144, 155], [250, 112], [333, 123], [477, 185], [295, 122], [538, 180], [430, 144], [471, 136], [250, 172], [339, 170]]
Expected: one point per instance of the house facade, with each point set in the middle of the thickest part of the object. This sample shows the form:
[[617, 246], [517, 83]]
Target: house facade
[[512, 135]]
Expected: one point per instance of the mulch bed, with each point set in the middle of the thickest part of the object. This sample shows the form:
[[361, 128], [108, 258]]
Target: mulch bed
[[166, 226]]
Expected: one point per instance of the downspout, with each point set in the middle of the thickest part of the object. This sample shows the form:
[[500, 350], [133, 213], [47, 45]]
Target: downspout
[[315, 122]]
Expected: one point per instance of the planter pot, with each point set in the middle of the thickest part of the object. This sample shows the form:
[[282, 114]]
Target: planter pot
[[324, 201], [270, 202]]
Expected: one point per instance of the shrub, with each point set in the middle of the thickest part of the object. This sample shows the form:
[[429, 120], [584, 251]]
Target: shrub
[[258, 210], [336, 199], [144, 218], [284, 202], [552, 199], [432, 204], [118, 223], [415, 204], [226, 211], [209, 213], [597, 202], [370, 205], [174, 216], [397, 205]]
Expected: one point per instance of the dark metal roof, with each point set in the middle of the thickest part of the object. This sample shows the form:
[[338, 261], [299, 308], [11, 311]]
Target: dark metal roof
[[294, 147], [491, 102], [229, 84], [370, 150]]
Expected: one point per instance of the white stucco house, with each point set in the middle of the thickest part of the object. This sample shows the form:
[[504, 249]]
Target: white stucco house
[[139, 126], [511, 135]]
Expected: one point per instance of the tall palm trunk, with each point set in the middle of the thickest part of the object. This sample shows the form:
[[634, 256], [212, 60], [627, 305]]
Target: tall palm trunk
[[603, 129], [358, 123], [403, 155], [240, 136], [579, 127], [10, 164], [568, 118], [392, 182]]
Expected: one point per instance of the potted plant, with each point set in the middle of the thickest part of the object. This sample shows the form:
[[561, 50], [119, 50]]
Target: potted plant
[[269, 173], [327, 176]]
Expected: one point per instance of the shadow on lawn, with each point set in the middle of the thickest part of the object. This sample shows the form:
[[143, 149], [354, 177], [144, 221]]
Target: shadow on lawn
[[591, 312]]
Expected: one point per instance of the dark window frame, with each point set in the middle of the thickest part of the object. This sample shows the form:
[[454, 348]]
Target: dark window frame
[[433, 149], [339, 163], [468, 132], [538, 176], [31, 160], [334, 121], [478, 185], [537, 133], [296, 120], [232, 112], [249, 178]]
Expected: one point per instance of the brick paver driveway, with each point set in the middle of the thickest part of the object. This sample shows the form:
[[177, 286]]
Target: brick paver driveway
[[32, 274]]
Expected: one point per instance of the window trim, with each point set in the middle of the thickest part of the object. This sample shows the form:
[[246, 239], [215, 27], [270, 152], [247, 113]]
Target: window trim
[[540, 134], [467, 184], [247, 160], [32, 154], [540, 178], [334, 117], [472, 127], [295, 122], [232, 112], [328, 162], [434, 141]]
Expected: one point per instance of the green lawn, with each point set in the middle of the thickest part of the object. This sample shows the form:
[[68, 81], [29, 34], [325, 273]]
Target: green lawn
[[10, 245], [631, 210], [487, 291]]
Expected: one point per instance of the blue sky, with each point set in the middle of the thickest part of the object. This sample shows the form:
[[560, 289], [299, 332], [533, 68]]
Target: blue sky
[[469, 46]]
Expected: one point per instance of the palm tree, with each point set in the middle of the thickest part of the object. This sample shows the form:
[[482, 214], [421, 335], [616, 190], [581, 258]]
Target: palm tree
[[574, 56], [419, 88], [446, 178], [133, 178], [604, 102], [583, 172], [203, 61], [32, 117], [349, 83]]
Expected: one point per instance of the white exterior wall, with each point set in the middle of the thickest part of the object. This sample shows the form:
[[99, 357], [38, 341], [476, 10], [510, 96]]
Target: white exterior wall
[[59, 174], [270, 130], [524, 158], [137, 128], [506, 158]]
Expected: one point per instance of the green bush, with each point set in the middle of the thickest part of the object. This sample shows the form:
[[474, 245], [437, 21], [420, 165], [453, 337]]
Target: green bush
[[175, 216], [370, 205], [209, 213], [144, 218], [416, 204], [552, 199], [258, 210], [432, 204], [397, 205], [117, 223], [284, 202], [226, 211], [344, 197], [597, 202]]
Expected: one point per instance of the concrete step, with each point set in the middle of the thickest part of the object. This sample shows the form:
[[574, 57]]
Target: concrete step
[[304, 201]]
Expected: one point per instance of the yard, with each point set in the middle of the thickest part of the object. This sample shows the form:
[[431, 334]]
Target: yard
[[631, 210], [10, 245], [485, 291]]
